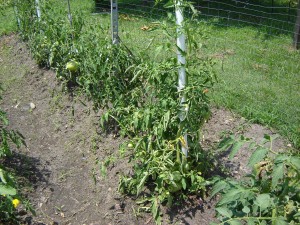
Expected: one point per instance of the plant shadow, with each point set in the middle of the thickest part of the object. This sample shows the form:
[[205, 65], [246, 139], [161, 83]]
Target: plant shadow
[[29, 170]]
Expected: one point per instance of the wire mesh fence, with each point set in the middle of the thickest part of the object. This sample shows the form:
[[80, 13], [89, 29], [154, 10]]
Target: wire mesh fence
[[250, 41]]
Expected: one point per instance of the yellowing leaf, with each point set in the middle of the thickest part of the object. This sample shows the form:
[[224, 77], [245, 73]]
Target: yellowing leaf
[[145, 28], [182, 141]]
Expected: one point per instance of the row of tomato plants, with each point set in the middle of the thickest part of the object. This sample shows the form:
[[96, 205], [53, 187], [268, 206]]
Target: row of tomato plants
[[140, 98]]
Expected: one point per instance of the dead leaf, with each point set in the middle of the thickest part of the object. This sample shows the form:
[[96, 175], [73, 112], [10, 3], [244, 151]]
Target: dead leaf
[[145, 28]]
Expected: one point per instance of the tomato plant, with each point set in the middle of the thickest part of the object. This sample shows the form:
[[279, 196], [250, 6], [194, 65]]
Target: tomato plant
[[267, 195]]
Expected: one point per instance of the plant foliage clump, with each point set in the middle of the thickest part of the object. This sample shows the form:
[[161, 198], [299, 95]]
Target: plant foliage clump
[[268, 195]]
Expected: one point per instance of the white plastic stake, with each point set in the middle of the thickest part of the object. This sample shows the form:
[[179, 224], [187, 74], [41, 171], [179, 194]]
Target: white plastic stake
[[181, 61], [38, 10], [69, 13], [114, 22]]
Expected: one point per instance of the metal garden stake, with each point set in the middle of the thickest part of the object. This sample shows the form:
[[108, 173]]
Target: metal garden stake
[[114, 21], [182, 79], [38, 10]]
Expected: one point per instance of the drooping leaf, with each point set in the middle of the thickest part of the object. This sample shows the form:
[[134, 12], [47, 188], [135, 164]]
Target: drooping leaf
[[281, 158], [154, 208], [235, 222], [230, 196], [166, 119], [277, 174], [257, 156], [226, 143], [251, 221], [7, 190], [263, 201], [142, 182], [219, 186], [2, 176], [281, 221], [224, 212], [296, 161], [246, 209], [235, 148], [183, 182]]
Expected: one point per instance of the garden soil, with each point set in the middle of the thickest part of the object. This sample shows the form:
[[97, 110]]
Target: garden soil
[[59, 170]]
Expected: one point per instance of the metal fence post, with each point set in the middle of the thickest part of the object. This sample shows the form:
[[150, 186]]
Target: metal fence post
[[296, 42], [69, 13], [114, 21], [182, 79], [38, 10]]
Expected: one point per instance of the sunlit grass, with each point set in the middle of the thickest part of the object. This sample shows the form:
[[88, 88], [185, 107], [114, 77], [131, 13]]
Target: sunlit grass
[[8, 23]]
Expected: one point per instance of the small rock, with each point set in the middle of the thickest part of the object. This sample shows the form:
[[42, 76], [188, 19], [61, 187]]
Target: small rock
[[118, 207], [25, 108], [16, 106], [32, 105], [289, 145]]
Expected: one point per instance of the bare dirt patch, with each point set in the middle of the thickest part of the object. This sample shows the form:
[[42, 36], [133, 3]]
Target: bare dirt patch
[[60, 168]]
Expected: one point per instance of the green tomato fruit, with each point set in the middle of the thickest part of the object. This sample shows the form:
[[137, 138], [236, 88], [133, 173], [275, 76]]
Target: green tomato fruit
[[174, 188], [130, 145], [72, 66], [187, 167]]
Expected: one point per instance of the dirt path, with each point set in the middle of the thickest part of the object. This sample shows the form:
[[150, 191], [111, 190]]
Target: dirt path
[[60, 168]]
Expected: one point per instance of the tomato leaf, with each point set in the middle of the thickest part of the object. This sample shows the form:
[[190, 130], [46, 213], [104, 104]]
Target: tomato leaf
[[7, 190], [257, 156], [224, 212]]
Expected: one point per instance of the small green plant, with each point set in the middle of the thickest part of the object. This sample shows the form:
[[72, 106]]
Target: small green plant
[[268, 195]]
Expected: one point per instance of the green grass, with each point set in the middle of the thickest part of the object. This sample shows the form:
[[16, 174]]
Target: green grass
[[258, 70], [259, 78], [8, 23]]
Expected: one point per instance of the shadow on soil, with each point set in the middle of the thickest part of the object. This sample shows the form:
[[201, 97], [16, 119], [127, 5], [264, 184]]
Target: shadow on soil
[[30, 170]]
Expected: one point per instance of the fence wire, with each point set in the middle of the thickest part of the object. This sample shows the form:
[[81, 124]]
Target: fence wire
[[250, 42]]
